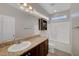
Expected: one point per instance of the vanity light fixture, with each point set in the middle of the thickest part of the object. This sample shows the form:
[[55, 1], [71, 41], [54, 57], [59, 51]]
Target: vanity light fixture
[[30, 7], [25, 7]]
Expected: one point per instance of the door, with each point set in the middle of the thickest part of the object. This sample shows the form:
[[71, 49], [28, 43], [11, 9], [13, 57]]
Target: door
[[63, 32], [60, 36]]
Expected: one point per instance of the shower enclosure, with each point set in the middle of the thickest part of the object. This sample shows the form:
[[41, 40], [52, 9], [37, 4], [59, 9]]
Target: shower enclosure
[[7, 28]]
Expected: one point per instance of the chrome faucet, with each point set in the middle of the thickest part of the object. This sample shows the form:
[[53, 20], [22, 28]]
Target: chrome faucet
[[16, 42], [14, 38]]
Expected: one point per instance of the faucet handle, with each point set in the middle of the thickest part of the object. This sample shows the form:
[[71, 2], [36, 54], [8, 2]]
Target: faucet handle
[[13, 35]]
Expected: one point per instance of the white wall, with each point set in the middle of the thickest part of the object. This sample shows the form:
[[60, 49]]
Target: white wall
[[75, 30], [0, 28], [24, 22]]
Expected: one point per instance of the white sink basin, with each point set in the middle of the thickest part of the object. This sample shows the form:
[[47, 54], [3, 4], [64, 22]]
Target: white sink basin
[[19, 47]]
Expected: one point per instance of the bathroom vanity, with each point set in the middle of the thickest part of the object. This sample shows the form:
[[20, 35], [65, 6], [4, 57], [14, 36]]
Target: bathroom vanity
[[38, 47], [39, 50]]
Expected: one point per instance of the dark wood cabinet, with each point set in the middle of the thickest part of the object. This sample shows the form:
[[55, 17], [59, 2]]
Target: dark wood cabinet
[[43, 48], [39, 50]]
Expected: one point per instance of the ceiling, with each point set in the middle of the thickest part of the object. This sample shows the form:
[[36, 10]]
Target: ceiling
[[38, 11], [55, 7], [47, 9], [50, 8]]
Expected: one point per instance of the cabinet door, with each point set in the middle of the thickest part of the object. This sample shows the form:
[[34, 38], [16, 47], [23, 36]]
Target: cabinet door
[[43, 48], [46, 47], [32, 52]]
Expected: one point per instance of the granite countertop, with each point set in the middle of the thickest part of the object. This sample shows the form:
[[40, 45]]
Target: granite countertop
[[36, 40]]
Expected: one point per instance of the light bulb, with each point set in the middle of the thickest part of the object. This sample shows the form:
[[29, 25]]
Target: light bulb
[[30, 7], [25, 4], [22, 7]]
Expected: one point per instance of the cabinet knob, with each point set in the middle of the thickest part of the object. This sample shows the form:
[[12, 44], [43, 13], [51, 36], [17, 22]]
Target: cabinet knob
[[29, 54]]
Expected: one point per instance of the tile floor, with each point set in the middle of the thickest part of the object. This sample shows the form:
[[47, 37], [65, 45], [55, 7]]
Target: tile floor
[[58, 53]]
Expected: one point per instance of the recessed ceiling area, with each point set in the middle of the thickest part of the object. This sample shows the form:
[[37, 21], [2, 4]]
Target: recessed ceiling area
[[55, 7]]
